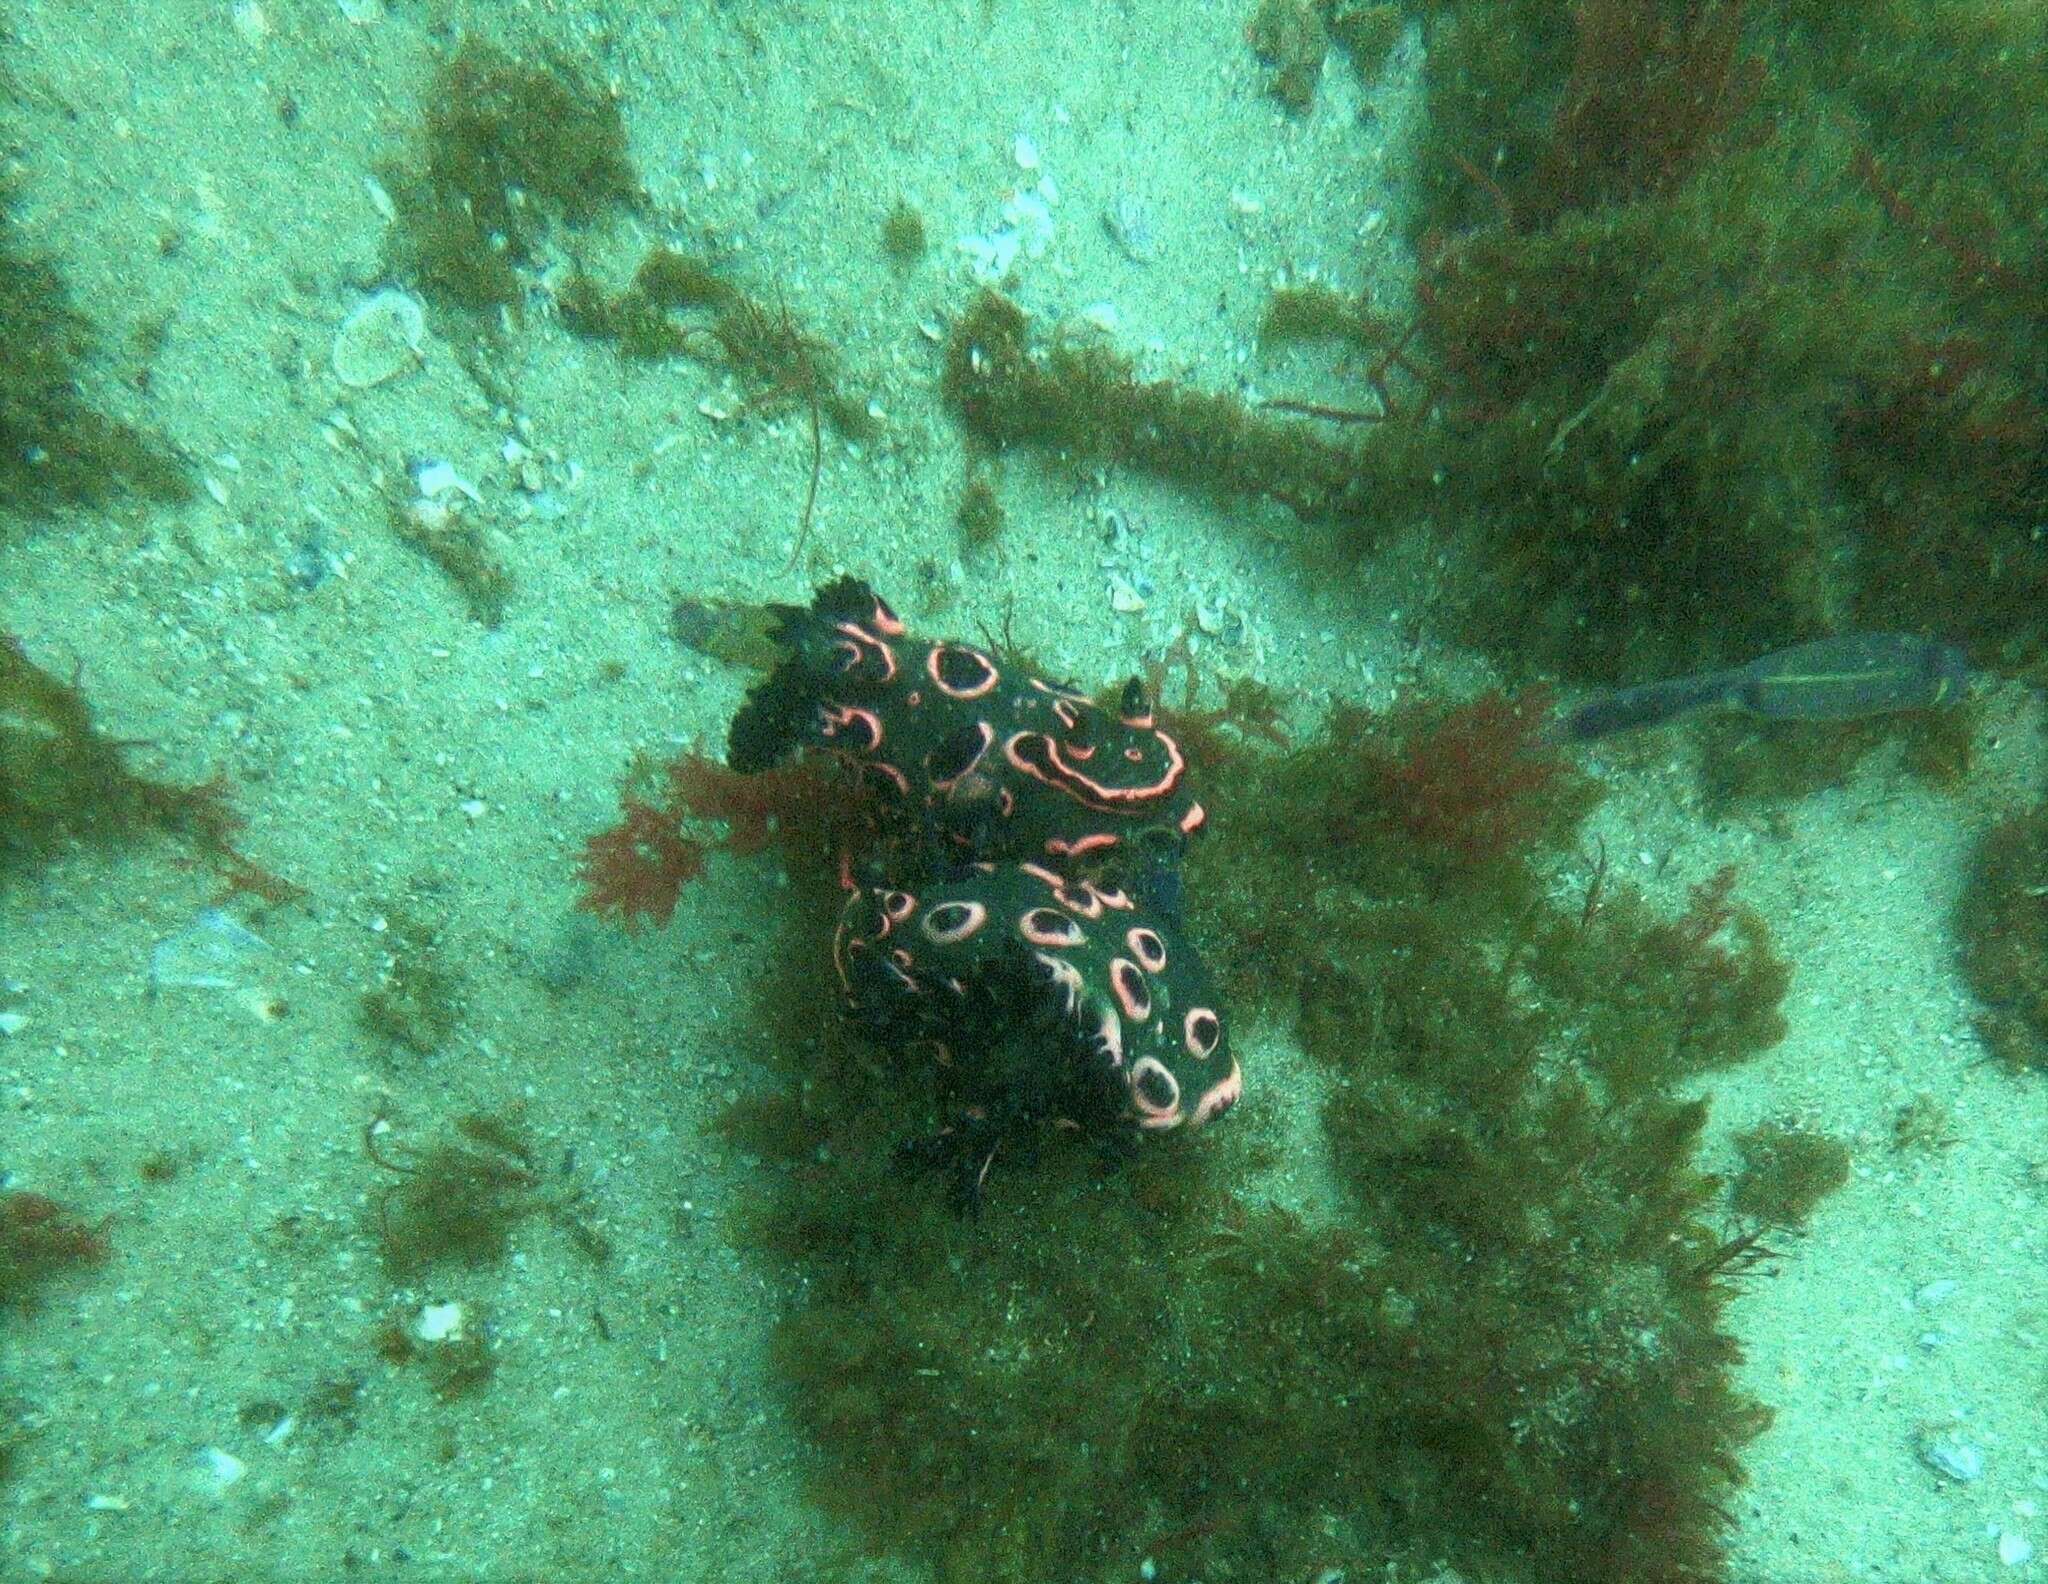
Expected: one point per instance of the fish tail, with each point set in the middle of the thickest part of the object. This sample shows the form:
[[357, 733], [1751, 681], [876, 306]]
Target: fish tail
[[1629, 709]]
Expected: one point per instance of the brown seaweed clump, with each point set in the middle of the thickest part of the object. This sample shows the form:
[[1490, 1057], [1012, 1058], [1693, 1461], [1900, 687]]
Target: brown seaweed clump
[[1483, 1329], [56, 448], [506, 147], [63, 780], [2002, 929]]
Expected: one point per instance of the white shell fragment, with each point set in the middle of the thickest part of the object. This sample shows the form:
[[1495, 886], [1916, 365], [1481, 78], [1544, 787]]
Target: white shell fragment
[[379, 340], [1026, 232], [440, 1322], [1101, 316], [434, 478], [1128, 221], [218, 1468], [1952, 1456], [380, 199], [250, 22]]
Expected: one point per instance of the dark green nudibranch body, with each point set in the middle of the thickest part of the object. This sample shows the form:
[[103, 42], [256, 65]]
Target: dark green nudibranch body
[[1842, 678]]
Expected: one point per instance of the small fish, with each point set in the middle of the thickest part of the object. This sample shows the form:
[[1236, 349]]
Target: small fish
[[1841, 678]]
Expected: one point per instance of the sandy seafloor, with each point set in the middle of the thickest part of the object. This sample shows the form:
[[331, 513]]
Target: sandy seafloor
[[396, 758]]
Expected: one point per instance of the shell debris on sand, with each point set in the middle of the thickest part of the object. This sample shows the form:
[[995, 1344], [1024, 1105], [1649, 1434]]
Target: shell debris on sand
[[380, 339], [1128, 220], [213, 952]]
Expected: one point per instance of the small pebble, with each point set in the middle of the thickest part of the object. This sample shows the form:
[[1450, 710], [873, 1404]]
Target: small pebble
[[265, 1006], [13, 1022], [2014, 1548], [1936, 1292]]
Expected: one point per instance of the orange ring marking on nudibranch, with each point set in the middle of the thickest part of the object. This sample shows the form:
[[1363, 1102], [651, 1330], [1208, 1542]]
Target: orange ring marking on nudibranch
[[1044, 926], [1109, 1037], [1154, 1114], [987, 734], [952, 922], [1133, 994], [864, 641], [887, 771], [1065, 977], [1147, 947], [895, 964], [1060, 847], [1085, 905], [982, 685], [1219, 1097], [1057, 772], [834, 718]]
